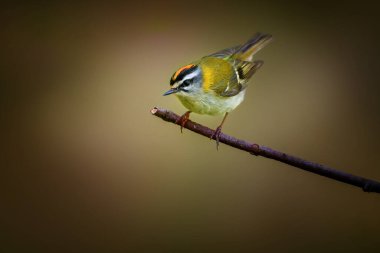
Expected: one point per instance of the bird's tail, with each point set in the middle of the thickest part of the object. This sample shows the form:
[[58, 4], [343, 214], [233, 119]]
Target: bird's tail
[[252, 46]]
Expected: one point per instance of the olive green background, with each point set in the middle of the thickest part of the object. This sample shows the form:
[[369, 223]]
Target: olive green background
[[86, 168]]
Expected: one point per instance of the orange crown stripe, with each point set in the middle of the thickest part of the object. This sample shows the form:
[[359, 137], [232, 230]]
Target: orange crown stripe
[[182, 69]]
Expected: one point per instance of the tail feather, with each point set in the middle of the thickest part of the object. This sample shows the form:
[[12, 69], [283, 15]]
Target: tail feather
[[252, 46]]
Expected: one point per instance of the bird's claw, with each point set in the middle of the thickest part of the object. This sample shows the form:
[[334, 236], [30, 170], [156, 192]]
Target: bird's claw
[[183, 119], [216, 135]]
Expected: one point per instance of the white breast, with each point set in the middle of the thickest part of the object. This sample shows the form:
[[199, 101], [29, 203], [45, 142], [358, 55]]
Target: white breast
[[206, 103]]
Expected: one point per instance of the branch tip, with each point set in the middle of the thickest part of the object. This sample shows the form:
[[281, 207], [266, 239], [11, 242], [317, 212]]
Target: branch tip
[[154, 110]]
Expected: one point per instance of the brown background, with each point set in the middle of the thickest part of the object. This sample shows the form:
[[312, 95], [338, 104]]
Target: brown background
[[86, 168]]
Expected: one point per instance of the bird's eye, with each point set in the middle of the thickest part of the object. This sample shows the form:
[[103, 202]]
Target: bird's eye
[[186, 83]]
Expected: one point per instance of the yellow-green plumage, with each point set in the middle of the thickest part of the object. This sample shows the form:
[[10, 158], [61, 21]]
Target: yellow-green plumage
[[219, 75], [218, 78], [208, 103], [216, 83]]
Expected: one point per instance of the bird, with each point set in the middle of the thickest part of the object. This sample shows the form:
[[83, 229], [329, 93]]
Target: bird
[[216, 84]]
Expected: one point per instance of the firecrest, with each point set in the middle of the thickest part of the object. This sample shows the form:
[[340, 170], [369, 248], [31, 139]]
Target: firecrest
[[216, 83]]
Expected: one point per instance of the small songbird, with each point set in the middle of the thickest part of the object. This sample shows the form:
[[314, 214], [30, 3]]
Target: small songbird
[[216, 83]]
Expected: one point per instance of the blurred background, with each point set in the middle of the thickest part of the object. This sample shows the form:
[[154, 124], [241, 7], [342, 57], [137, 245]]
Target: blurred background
[[87, 168]]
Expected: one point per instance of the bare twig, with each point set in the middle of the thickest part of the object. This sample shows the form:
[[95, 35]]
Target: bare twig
[[258, 150]]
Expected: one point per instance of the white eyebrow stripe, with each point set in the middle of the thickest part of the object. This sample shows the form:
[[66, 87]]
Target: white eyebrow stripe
[[190, 76]]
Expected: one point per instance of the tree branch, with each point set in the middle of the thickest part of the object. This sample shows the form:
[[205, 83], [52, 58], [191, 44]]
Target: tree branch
[[366, 184]]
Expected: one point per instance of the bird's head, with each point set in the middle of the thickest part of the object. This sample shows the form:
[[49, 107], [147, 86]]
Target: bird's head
[[185, 80]]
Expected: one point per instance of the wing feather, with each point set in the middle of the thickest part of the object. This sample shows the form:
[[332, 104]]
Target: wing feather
[[234, 66], [219, 76], [245, 51]]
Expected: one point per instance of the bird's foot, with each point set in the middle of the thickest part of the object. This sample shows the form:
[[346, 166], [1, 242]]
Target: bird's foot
[[183, 119], [216, 135]]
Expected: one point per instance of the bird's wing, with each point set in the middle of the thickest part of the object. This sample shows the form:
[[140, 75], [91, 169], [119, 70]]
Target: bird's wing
[[246, 51], [220, 77], [226, 88], [226, 53], [233, 88], [234, 66], [246, 69]]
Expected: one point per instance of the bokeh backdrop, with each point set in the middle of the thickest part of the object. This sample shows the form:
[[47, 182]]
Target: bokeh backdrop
[[86, 168]]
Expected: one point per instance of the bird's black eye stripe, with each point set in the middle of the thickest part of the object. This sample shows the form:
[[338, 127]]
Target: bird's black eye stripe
[[185, 83]]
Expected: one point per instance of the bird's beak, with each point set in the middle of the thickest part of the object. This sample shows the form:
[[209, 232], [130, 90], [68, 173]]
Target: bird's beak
[[171, 91]]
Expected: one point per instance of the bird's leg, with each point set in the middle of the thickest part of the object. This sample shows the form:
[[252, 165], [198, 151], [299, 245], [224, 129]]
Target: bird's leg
[[183, 119], [218, 131]]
